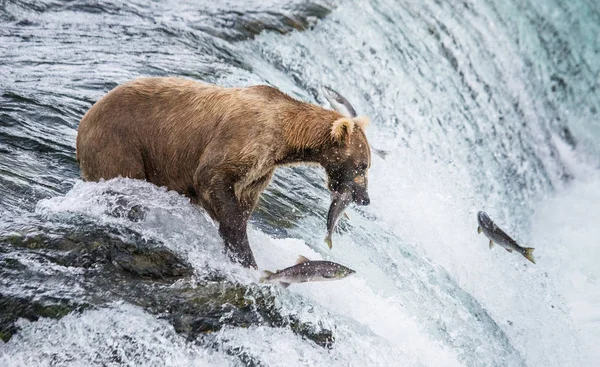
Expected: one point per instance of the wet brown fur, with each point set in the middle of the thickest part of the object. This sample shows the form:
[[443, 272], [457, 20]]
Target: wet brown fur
[[217, 145]]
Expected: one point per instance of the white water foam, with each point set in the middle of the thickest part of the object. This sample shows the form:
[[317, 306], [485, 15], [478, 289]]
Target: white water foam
[[368, 312], [548, 311], [566, 227], [114, 336], [371, 324], [166, 216], [435, 208]]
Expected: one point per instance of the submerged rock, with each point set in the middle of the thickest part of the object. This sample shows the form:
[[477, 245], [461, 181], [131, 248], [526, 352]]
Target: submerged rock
[[12, 308], [85, 249], [106, 268], [209, 307]]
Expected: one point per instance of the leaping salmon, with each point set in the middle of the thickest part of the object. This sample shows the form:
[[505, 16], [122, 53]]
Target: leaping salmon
[[498, 236]]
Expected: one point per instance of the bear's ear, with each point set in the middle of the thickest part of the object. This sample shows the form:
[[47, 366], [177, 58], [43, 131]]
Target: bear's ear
[[342, 129], [362, 122]]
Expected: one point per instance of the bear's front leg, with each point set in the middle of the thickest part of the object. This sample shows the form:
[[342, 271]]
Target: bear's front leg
[[236, 241], [217, 196]]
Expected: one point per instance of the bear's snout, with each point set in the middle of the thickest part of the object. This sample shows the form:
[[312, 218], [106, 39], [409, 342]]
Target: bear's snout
[[360, 196], [363, 201]]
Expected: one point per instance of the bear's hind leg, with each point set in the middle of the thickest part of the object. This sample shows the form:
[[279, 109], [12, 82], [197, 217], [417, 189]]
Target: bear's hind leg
[[113, 161]]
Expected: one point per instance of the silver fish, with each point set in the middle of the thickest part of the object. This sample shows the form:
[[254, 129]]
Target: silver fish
[[338, 102], [339, 203], [306, 270], [497, 236]]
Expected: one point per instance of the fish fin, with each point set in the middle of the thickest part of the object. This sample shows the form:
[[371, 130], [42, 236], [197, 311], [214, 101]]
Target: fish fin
[[509, 250], [491, 244], [301, 259], [529, 254], [329, 243], [478, 229], [266, 275], [284, 284]]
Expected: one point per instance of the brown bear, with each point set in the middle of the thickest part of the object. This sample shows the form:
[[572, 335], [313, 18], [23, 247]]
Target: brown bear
[[220, 146]]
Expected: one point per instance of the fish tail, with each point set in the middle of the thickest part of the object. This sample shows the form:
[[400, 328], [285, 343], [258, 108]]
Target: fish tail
[[528, 253], [328, 242], [266, 275]]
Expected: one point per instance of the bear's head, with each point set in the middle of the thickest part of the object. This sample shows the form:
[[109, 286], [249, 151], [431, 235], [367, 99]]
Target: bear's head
[[349, 157], [348, 160]]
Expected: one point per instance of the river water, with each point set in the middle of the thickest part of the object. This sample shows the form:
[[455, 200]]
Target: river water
[[487, 105]]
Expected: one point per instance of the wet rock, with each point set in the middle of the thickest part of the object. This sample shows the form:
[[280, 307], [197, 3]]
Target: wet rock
[[155, 263], [138, 272], [81, 248], [13, 308], [209, 307]]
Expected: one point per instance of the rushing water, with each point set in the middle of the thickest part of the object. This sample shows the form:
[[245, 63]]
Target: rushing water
[[481, 105]]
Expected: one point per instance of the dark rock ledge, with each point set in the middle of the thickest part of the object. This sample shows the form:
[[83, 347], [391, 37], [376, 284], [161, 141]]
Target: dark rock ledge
[[135, 271]]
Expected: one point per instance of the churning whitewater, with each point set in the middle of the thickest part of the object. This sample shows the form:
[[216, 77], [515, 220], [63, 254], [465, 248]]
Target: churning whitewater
[[476, 105]]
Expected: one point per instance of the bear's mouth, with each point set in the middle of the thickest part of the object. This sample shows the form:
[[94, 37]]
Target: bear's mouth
[[339, 203]]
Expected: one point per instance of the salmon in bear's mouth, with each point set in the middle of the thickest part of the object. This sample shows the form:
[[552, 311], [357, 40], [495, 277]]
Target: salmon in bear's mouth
[[339, 203]]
